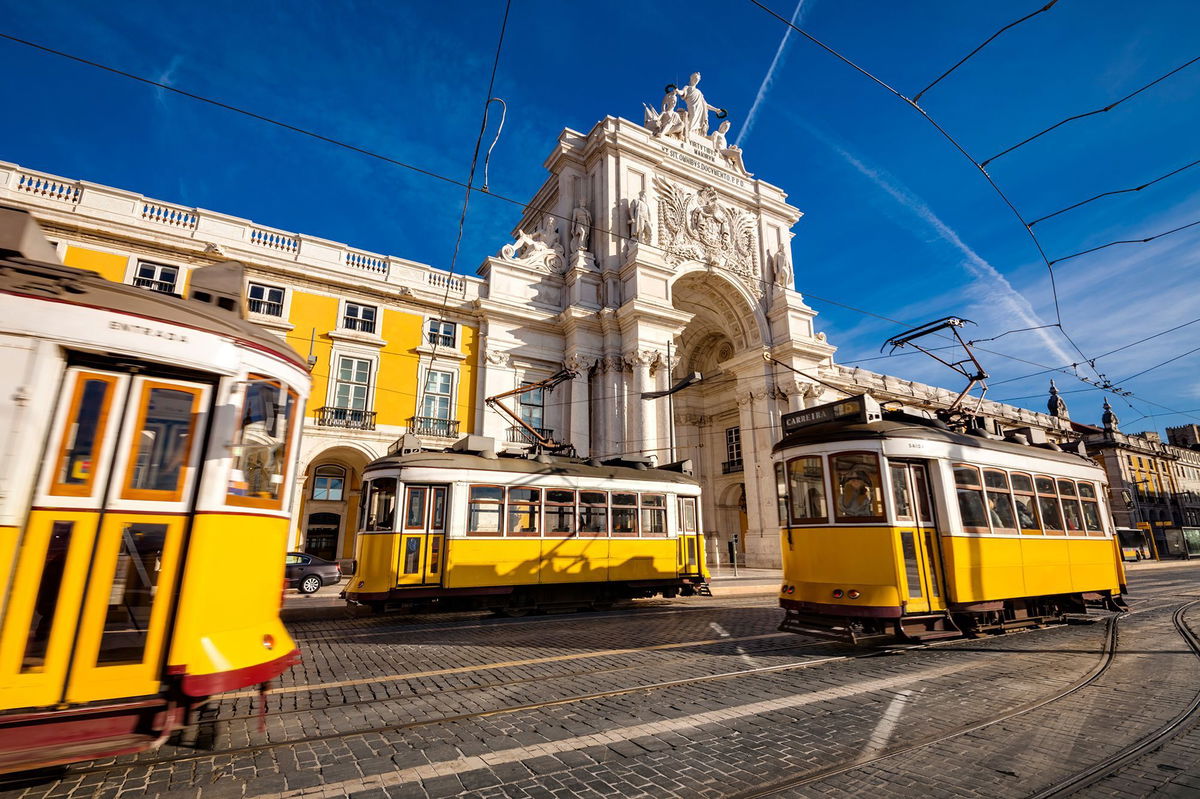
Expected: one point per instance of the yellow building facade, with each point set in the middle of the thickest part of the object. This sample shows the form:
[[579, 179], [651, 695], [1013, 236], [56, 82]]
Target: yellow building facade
[[392, 344]]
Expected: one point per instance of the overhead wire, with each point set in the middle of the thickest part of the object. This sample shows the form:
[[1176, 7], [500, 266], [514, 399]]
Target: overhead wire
[[1147, 184], [1106, 108], [1125, 241], [986, 42], [469, 187]]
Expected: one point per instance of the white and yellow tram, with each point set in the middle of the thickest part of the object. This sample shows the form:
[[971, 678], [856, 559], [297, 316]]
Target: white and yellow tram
[[144, 502], [895, 526], [473, 530]]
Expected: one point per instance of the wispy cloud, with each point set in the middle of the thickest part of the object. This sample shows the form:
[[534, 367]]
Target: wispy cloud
[[765, 86], [991, 286], [167, 77]]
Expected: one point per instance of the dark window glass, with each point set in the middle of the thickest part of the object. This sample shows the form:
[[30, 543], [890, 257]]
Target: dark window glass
[[654, 515], [858, 488], [1051, 516], [261, 460], [560, 512], [381, 504], [1044, 485], [79, 451], [524, 508], [1091, 517], [163, 441], [593, 513], [688, 523], [435, 554], [970, 499], [1087, 491], [900, 493], [485, 510], [781, 493], [624, 514], [912, 570], [437, 520], [1021, 482], [412, 554], [131, 599], [1066, 488], [806, 490], [415, 518], [1072, 515], [1027, 515], [46, 601]]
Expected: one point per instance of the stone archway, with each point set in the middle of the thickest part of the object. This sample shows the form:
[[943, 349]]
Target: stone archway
[[323, 501]]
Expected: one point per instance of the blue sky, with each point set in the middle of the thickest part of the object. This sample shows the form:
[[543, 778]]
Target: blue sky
[[896, 222]]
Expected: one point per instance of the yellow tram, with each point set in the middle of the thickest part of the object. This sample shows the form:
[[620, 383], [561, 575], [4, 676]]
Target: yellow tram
[[475, 530], [144, 502], [894, 526]]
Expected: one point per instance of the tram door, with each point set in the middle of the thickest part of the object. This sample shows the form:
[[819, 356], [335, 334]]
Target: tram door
[[691, 547], [918, 537], [96, 575], [423, 536]]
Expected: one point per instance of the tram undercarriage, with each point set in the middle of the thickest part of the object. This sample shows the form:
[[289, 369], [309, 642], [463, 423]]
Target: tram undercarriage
[[522, 600], [968, 620]]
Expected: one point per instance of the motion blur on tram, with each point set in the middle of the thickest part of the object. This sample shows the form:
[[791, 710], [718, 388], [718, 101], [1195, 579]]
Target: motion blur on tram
[[151, 436]]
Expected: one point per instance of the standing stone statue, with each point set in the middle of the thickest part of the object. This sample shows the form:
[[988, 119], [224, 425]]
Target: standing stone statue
[[731, 153], [697, 107], [782, 269], [581, 227], [640, 227]]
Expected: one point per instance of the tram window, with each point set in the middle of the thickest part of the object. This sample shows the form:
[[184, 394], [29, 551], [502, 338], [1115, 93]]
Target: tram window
[[654, 515], [1072, 513], [688, 523], [524, 508], [484, 510], [1091, 514], [1026, 504], [84, 431], [437, 516], [901, 494], [435, 553], [1048, 505], [381, 504], [414, 519], [162, 442], [1000, 502], [560, 512], [593, 513], [261, 460], [624, 514], [970, 499], [139, 561], [781, 494], [806, 490], [412, 554], [859, 490], [46, 601]]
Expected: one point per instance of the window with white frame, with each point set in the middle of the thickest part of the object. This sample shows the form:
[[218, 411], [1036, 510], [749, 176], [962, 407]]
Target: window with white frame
[[264, 299], [439, 333], [156, 277], [359, 317], [532, 407], [329, 483], [352, 385], [438, 394], [733, 444]]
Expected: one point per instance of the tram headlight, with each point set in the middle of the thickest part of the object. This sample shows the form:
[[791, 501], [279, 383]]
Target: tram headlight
[[853, 594], [268, 641], [838, 593]]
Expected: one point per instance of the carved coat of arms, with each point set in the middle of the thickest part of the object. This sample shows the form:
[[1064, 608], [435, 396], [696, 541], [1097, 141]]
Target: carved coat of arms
[[695, 227]]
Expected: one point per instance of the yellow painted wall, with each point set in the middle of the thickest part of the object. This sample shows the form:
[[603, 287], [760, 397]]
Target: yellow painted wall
[[396, 390], [467, 401], [110, 266], [311, 312]]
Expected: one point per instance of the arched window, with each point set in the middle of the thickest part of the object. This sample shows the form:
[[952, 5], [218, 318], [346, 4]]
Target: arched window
[[329, 483]]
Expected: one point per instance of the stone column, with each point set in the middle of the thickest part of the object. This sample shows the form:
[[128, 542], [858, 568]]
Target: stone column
[[758, 433], [497, 378], [577, 418]]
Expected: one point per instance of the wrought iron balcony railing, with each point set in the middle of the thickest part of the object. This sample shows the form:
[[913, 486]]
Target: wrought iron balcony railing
[[361, 325], [348, 418], [432, 426], [266, 307], [519, 435], [731, 467], [164, 286]]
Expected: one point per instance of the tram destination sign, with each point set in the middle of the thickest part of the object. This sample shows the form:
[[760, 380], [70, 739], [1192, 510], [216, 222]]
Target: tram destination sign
[[861, 409]]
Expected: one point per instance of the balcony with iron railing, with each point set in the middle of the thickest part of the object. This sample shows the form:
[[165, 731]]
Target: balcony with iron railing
[[162, 286], [347, 418], [519, 435], [361, 325], [731, 467], [266, 307], [432, 426]]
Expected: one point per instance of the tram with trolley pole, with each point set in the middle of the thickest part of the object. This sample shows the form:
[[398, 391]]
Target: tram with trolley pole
[[144, 502], [895, 526], [476, 529]]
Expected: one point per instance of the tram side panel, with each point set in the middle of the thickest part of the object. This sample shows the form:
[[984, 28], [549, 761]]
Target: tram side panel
[[821, 560]]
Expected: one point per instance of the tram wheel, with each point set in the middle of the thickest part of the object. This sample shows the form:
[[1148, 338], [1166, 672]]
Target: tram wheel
[[514, 613]]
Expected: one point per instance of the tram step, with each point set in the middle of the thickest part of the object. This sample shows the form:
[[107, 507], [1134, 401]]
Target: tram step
[[703, 590]]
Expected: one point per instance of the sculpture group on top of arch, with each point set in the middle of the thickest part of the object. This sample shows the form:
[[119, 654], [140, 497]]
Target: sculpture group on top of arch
[[691, 124]]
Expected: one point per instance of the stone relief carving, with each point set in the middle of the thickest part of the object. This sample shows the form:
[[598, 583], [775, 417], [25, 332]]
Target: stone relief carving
[[541, 248], [581, 364], [641, 214], [650, 358], [581, 228], [498, 358], [746, 397], [695, 227]]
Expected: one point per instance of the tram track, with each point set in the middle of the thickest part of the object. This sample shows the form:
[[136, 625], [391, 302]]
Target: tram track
[[1144, 745], [1107, 655]]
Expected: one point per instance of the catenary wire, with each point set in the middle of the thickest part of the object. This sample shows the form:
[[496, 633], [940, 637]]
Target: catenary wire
[[1147, 184], [526, 206], [1108, 107], [986, 42], [962, 150], [1126, 241]]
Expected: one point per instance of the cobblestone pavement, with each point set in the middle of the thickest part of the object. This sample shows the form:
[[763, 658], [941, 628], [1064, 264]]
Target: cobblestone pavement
[[698, 697]]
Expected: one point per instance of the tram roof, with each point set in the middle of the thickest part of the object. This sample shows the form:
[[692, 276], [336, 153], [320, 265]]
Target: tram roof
[[23, 250], [897, 425], [556, 466]]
